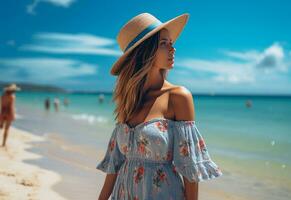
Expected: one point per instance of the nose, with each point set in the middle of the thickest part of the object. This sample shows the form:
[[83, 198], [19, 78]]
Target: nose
[[172, 49]]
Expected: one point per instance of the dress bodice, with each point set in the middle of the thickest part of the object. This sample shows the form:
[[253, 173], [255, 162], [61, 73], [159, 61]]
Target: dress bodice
[[151, 140], [161, 140]]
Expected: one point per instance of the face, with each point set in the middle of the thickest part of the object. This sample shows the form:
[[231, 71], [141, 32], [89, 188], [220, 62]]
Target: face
[[164, 58]]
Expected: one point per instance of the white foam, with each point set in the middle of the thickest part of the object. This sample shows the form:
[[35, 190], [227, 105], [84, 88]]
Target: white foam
[[18, 116], [91, 119]]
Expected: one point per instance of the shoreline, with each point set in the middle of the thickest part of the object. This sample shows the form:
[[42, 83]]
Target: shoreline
[[20, 180]]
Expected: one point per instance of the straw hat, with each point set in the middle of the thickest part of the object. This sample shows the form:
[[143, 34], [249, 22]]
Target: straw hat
[[12, 87], [141, 27]]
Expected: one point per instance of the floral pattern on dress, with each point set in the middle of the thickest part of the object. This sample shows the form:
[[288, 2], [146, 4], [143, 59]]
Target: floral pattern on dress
[[142, 146], [189, 123], [159, 178], [201, 144], [184, 148], [157, 156], [111, 145], [124, 148], [175, 170], [202, 147], [138, 174], [162, 126], [168, 156], [126, 130]]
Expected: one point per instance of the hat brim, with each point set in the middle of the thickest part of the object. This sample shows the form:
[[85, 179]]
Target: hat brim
[[174, 26], [12, 89]]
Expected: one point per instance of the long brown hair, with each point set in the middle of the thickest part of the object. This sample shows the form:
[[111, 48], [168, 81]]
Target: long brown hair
[[128, 93]]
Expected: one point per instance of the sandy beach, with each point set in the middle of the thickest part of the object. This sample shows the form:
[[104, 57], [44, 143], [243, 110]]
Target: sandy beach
[[19, 180]]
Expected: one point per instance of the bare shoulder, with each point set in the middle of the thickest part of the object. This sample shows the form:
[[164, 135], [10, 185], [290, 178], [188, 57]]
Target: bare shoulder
[[182, 101], [181, 95]]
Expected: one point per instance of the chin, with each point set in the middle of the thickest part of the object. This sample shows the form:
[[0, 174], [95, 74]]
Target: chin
[[171, 65]]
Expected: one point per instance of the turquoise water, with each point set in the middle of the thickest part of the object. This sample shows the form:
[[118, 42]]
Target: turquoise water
[[252, 141]]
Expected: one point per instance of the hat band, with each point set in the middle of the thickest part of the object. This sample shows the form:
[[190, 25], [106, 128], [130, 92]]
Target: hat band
[[143, 33]]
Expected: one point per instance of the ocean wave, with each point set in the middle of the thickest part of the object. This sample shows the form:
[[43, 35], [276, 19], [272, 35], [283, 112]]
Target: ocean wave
[[91, 119], [18, 116]]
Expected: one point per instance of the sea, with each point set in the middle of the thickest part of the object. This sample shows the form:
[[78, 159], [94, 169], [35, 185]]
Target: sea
[[250, 142]]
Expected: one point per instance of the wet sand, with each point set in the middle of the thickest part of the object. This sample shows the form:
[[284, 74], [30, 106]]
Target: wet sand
[[20, 180]]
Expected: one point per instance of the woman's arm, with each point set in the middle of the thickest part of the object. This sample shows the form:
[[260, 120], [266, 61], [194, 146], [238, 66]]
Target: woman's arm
[[12, 106], [182, 101], [108, 186], [191, 189]]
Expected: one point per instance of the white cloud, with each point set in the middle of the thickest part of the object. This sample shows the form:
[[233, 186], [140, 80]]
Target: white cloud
[[239, 71], [220, 71], [247, 55], [43, 69], [62, 43], [61, 3], [81, 39], [62, 50], [271, 58]]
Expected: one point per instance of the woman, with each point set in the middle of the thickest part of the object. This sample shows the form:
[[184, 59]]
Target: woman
[[7, 114], [155, 150]]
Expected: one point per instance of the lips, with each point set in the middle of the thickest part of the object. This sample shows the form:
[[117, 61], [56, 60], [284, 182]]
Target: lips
[[171, 61], [171, 58]]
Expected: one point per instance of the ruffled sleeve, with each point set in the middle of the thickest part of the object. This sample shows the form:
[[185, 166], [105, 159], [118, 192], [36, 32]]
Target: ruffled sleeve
[[113, 158], [190, 154]]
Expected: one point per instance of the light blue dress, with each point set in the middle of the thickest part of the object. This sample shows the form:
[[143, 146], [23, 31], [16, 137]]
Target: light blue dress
[[151, 157]]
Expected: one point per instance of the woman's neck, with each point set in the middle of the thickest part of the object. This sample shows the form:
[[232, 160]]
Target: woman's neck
[[155, 81]]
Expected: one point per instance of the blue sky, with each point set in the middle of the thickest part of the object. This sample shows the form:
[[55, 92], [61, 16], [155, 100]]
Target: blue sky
[[226, 47]]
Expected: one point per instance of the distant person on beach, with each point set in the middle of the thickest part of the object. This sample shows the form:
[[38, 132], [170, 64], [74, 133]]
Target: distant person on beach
[[56, 104], [47, 103], [155, 150], [66, 102], [249, 103], [101, 98], [7, 114]]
